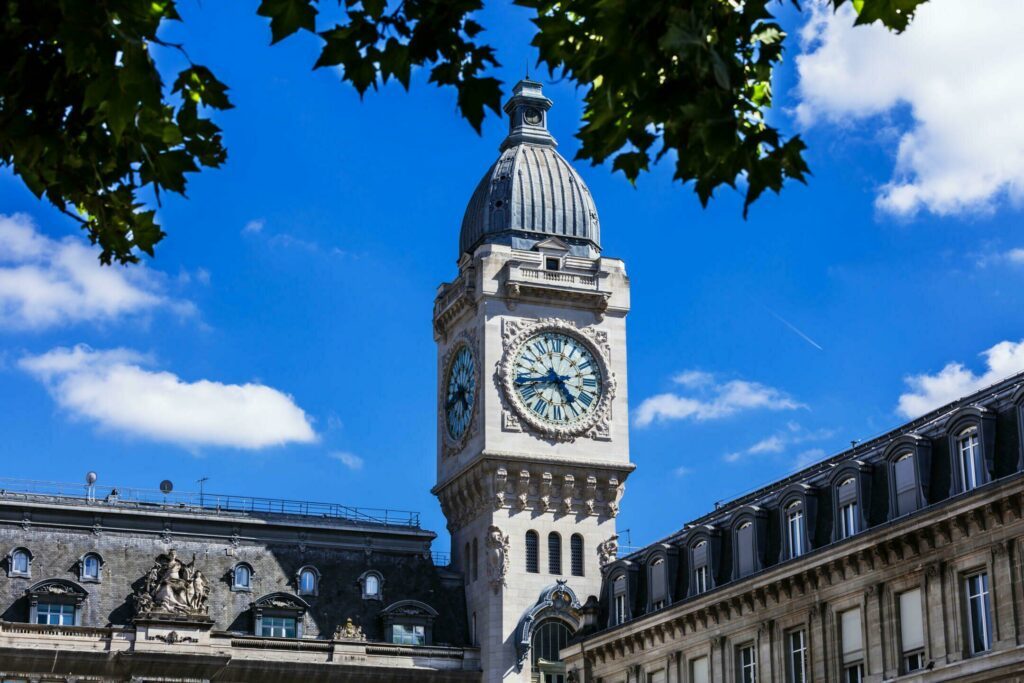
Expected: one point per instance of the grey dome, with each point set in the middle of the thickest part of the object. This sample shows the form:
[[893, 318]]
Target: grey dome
[[531, 192]]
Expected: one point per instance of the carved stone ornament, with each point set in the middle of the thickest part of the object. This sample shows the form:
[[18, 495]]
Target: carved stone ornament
[[595, 424], [465, 339], [174, 637], [172, 587], [349, 632], [497, 545], [608, 551]]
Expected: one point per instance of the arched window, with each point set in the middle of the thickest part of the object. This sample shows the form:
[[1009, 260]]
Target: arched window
[[474, 558], [619, 614], [795, 529], [554, 553], [19, 562], [699, 573], [90, 567], [372, 584], [849, 514], [241, 579], [309, 580], [658, 579], [745, 549], [576, 554], [549, 638], [532, 563], [905, 477], [969, 461]]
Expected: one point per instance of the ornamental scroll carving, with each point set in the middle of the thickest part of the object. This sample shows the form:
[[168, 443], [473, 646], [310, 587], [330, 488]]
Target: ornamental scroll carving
[[608, 551], [172, 587], [497, 544]]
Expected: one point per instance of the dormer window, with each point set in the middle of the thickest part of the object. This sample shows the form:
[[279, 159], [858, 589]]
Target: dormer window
[[699, 571], [849, 514], [619, 614], [659, 584], [308, 580], [906, 484], [795, 529], [551, 263], [968, 447], [798, 510], [372, 584], [241, 577], [409, 622], [19, 563], [89, 567]]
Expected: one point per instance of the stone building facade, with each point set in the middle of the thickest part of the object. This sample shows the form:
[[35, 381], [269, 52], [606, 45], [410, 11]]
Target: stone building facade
[[900, 559]]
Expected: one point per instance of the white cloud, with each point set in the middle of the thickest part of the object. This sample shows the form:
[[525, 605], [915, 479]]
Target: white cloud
[[1015, 256], [682, 471], [353, 462], [712, 400], [954, 381], [115, 390], [956, 69], [781, 441], [808, 458], [254, 226], [46, 282]]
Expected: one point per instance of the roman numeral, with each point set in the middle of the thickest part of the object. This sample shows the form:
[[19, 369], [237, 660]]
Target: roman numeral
[[527, 393], [585, 398], [558, 413], [540, 406], [590, 381]]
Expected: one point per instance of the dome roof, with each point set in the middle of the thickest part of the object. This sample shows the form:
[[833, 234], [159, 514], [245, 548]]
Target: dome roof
[[531, 192]]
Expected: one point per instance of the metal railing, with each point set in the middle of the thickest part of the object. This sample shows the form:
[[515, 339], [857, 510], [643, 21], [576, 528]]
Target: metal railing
[[213, 502]]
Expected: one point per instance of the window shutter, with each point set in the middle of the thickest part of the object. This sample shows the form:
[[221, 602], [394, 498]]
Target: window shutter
[[658, 581], [852, 636], [906, 485], [531, 552], [911, 621], [700, 554], [848, 492], [699, 670], [745, 547]]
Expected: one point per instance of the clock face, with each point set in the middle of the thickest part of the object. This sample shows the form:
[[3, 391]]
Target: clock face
[[557, 378], [460, 393], [532, 116]]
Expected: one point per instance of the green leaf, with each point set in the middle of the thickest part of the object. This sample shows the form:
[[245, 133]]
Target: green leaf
[[287, 17]]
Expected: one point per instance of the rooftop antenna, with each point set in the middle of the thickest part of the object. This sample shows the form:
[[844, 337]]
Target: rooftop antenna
[[90, 485], [201, 481], [527, 68]]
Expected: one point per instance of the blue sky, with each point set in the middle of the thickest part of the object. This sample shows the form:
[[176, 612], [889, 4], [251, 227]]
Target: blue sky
[[280, 343]]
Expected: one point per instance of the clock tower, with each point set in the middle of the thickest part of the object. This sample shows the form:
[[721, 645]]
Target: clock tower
[[533, 422]]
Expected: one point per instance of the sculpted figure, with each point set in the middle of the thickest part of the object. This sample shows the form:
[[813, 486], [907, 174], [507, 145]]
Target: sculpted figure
[[173, 586], [497, 557], [608, 550]]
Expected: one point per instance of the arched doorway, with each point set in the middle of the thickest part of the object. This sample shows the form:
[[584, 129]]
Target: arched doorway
[[549, 637]]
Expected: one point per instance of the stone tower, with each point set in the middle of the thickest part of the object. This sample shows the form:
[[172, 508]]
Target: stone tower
[[533, 435]]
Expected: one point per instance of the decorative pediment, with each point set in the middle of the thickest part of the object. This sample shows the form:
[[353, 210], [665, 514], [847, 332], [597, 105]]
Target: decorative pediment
[[281, 601], [409, 608], [551, 244], [58, 588]]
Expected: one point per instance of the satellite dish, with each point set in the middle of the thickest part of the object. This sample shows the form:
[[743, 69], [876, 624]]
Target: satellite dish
[[166, 486], [90, 478]]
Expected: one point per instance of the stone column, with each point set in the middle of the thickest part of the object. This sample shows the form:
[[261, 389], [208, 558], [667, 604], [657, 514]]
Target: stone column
[[1001, 594], [818, 642], [876, 633]]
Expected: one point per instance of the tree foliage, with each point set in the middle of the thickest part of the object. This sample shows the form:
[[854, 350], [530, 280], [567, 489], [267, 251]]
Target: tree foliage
[[88, 121]]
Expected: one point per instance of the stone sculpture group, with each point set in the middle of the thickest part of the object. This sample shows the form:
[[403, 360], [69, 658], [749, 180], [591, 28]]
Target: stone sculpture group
[[172, 587]]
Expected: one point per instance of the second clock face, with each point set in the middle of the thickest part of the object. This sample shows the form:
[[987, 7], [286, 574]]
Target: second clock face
[[557, 378], [460, 393]]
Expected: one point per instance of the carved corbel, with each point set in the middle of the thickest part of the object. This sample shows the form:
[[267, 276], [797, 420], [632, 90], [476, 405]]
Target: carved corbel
[[615, 489], [523, 489], [590, 494], [568, 492], [500, 482], [544, 492]]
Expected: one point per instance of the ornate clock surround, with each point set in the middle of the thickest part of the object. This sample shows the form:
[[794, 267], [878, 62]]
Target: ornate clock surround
[[465, 339], [597, 424]]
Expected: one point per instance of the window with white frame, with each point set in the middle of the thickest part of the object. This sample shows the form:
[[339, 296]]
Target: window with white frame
[[699, 670], [659, 581], [796, 659], [849, 516], [372, 584], [619, 600], [851, 634], [55, 614], [968, 448], [309, 578], [795, 529], [19, 562], [746, 664], [241, 579], [408, 634], [699, 561], [979, 613], [90, 567], [278, 627], [911, 630]]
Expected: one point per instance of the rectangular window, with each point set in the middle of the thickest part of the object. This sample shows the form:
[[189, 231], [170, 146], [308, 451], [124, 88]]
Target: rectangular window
[[911, 630], [658, 584], [700, 580], [745, 547], [551, 263], [554, 553], [795, 526], [532, 561], [970, 467], [576, 554], [746, 664], [906, 484], [852, 636], [797, 660], [620, 609], [278, 627], [848, 520], [699, 670], [55, 614], [979, 613], [853, 674], [402, 634]]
